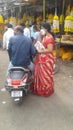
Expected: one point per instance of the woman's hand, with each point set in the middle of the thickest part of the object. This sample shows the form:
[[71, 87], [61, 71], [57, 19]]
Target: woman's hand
[[40, 51], [47, 50]]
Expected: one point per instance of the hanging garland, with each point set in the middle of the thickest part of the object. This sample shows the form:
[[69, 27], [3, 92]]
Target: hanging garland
[[1, 26]]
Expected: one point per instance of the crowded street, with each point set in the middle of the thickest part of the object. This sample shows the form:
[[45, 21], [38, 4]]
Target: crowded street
[[38, 112], [36, 64]]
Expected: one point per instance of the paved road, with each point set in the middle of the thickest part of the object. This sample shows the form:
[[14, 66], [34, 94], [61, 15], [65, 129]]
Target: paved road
[[36, 112]]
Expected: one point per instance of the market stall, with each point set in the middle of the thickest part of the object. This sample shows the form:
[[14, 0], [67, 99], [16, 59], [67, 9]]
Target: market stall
[[65, 41], [61, 19]]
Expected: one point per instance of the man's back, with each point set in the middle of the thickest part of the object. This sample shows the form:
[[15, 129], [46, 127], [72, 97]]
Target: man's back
[[20, 50]]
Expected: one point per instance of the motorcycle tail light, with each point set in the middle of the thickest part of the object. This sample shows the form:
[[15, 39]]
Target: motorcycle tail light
[[16, 82]]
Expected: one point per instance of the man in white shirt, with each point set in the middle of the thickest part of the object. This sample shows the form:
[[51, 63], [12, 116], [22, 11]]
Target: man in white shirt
[[7, 35], [26, 30], [36, 35]]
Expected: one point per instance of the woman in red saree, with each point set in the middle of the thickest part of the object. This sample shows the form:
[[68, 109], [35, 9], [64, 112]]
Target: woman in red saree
[[44, 65]]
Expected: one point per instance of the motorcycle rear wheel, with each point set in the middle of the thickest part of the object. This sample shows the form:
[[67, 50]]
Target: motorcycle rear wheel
[[18, 100]]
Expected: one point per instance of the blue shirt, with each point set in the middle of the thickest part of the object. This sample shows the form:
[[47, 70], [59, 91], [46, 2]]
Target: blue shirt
[[20, 50]]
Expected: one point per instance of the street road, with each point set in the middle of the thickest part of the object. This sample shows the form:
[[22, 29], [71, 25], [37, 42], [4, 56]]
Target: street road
[[36, 112]]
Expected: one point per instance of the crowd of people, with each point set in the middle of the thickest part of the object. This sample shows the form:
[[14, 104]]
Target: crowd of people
[[23, 44]]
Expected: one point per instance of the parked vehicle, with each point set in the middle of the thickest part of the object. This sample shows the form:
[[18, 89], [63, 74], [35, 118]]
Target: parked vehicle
[[18, 83]]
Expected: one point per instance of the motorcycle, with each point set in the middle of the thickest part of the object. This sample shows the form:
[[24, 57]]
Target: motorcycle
[[18, 83]]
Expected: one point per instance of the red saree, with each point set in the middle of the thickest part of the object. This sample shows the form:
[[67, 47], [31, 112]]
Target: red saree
[[43, 79]]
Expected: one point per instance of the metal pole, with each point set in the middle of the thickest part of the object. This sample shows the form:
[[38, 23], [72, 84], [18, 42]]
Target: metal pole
[[44, 3], [20, 11], [6, 5], [62, 25]]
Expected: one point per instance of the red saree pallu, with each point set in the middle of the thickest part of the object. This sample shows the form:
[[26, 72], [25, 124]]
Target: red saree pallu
[[43, 77]]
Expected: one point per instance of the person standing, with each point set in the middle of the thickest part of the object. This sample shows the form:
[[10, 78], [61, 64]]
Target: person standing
[[32, 30], [44, 65], [36, 36], [20, 50], [7, 35], [26, 30]]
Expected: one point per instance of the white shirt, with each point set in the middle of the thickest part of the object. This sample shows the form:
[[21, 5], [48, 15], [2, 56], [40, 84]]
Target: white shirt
[[37, 36], [27, 32], [6, 37]]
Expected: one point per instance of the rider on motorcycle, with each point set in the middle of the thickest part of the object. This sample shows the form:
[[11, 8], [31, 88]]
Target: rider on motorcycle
[[20, 50]]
